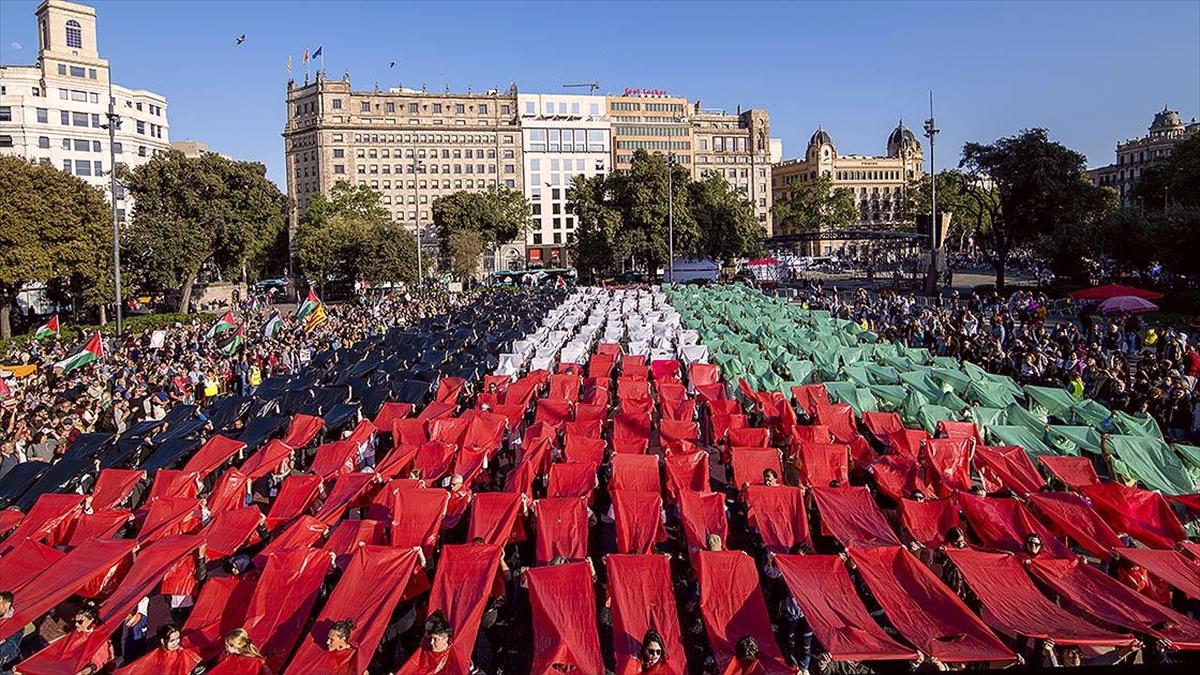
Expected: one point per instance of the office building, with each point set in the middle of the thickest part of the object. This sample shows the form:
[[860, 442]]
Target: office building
[[738, 147]]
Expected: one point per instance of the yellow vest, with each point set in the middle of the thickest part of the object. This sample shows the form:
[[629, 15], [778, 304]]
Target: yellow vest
[[255, 376], [210, 387]]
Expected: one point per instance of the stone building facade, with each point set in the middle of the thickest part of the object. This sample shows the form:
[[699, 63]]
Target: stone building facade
[[1134, 155]]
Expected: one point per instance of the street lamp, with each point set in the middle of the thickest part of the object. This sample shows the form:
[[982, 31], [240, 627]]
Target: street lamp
[[931, 131], [114, 122], [416, 166], [671, 217]]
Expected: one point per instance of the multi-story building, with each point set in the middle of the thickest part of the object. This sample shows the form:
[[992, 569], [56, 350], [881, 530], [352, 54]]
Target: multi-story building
[[737, 147], [55, 111], [562, 136], [1134, 155], [412, 146], [649, 120]]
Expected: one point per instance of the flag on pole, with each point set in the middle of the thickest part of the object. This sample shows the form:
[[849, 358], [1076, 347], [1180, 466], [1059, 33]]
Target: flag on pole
[[236, 343], [289, 64], [272, 326], [310, 303], [94, 349], [317, 53], [225, 323], [305, 55], [47, 329], [315, 318]]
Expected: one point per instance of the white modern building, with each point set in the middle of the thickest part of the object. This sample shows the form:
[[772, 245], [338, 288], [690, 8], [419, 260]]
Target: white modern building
[[562, 136], [55, 111]]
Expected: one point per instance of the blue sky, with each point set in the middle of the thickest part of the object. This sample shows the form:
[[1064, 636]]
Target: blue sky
[[1091, 72]]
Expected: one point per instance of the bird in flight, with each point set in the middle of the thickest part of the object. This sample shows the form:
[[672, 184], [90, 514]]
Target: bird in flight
[[392, 64], [240, 40]]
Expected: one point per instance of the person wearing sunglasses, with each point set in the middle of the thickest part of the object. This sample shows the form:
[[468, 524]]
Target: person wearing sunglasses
[[87, 618], [653, 654]]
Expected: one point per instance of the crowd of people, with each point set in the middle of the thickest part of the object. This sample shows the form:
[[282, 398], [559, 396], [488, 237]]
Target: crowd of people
[[147, 372], [1117, 360]]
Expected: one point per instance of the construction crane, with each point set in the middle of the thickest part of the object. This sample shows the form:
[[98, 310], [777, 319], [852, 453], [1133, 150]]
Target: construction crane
[[593, 86]]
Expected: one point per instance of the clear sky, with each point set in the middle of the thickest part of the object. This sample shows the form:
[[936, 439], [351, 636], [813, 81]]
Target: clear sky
[[1091, 72]]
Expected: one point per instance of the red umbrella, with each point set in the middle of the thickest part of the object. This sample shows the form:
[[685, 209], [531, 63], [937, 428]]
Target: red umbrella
[[1115, 291], [1127, 304]]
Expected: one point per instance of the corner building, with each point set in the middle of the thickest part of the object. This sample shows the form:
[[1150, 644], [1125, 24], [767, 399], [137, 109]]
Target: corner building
[[1133, 156]]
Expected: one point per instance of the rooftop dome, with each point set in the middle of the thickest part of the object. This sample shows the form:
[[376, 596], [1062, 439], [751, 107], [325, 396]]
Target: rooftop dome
[[820, 136], [1166, 119], [901, 137]]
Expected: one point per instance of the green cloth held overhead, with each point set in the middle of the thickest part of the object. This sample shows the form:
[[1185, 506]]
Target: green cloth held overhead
[[1023, 436], [1152, 462], [1073, 440]]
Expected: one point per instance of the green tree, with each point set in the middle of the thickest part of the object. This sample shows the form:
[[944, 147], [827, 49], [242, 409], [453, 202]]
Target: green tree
[[970, 216], [333, 250], [345, 199], [465, 247], [348, 235], [1038, 186], [50, 222], [816, 207], [725, 220], [497, 215], [193, 215], [390, 254], [598, 243], [1171, 181]]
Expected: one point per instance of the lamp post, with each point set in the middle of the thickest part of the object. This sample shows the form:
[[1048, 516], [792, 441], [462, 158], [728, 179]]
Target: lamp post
[[671, 217], [114, 121], [931, 131], [416, 166]]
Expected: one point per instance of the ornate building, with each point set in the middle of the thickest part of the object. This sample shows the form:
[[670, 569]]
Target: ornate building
[[1134, 155]]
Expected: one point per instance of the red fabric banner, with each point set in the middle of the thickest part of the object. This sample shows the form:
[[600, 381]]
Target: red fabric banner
[[823, 463], [562, 528], [750, 437], [113, 486], [302, 533], [1068, 515], [897, 476], [220, 608], [687, 473], [494, 518], [170, 516], [409, 432], [1007, 467], [1074, 472], [464, 582], [928, 522], [229, 530], [266, 460], [949, 464], [26, 561], [1142, 514], [345, 490], [10, 518], [436, 410], [1170, 566], [304, 428], [554, 412], [448, 389], [171, 483], [882, 424], [642, 599], [959, 430], [703, 513], [700, 374], [571, 479], [732, 606], [334, 459], [388, 413], [212, 454], [434, 460], [588, 432], [64, 578], [850, 514], [565, 387], [368, 592], [448, 430], [51, 513], [672, 432], [283, 600], [163, 662], [777, 512], [638, 473], [98, 525], [417, 518], [296, 494], [1015, 607], [822, 588], [348, 536], [638, 517], [564, 619], [927, 614], [750, 464], [1110, 602], [397, 462], [809, 397], [230, 492], [908, 442], [1004, 523]]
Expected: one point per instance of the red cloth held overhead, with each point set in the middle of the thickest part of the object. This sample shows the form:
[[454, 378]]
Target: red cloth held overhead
[[163, 662], [98, 525], [749, 437], [220, 608], [350, 535], [959, 430], [928, 522], [345, 490], [1004, 523], [283, 600], [113, 486], [435, 460], [639, 589], [1108, 601], [850, 514], [304, 428], [302, 533], [948, 461], [565, 387], [228, 531], [881, 424], [562, 528], [27, 560], [409, 431], [494, 518], [296, 494], [230, 492], [750, 464], [367, 594], [777, 512], [927, 614], [823, 463], [703, 513], [672, 432], [809, 397], [1068, 515], [555, 412], [1074, 472], [1142, 514], [1007, 467], [732, 605], [635, 472], [810, 433], [212, 454], [10, 518], [822, 588], [1016, 608], [571, 479], [701, 374], [908, 442], [171, 483], [564, 619], [449, 388], [388, 413], [449, 430], [48, 519], [266, 460], [638, 518], [1170, 566], [897, 476], [465, 577], [168, 517], [436, 410], [335, 459], [687, 473], [417, 518]]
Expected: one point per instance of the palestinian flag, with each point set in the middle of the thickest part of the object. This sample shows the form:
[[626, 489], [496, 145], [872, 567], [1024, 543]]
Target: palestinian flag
[[315, 318], [273, 325], [94, 349], [47, 329], [236, 343], [225, 323], [310, 304]]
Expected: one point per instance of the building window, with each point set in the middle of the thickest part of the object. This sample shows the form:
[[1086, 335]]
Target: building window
[[74, 34], [483, 108], [337, 104], [6, 113], [460, 109], [77, 71], [62, 69], [67, 165], [118, 149], [141, 151], [91, 73], [414, 108], [365, 106], [339, 153]]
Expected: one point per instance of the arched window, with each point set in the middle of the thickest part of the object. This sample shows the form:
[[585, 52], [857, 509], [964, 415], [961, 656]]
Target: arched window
[[74, 34]]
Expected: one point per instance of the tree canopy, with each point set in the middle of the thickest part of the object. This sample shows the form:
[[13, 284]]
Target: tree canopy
[[53, 226], [1173, 181], [348, 235], [496, 215], [195, 214], [815, 207]]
